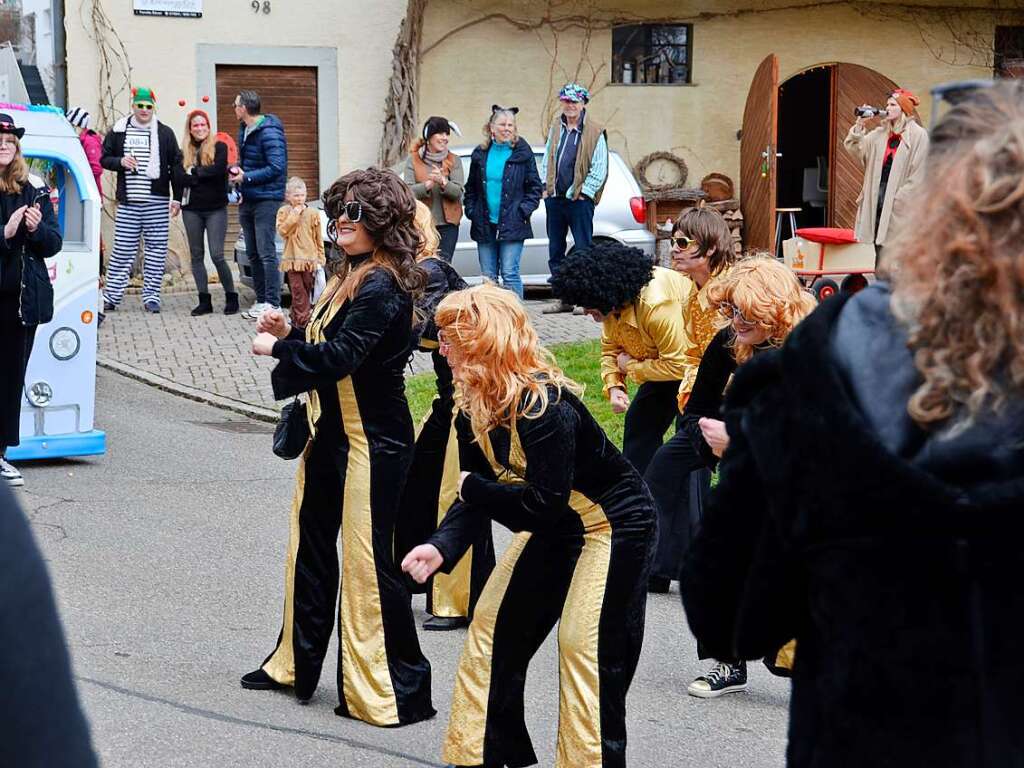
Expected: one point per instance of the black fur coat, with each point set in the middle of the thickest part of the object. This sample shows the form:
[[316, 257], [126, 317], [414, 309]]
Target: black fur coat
[[895, 560]]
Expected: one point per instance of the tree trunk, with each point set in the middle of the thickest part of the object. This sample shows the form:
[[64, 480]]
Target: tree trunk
[[402, 99]]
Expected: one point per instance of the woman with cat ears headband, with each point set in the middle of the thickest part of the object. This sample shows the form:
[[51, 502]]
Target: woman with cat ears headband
[[503, 191], [435, 176]]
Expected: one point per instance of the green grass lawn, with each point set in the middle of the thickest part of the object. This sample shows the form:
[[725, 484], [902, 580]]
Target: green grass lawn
[[581, 362]]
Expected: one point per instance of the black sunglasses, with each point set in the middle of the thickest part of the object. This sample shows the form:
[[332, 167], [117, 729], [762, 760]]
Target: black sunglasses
[[682, 242], [352, 210]]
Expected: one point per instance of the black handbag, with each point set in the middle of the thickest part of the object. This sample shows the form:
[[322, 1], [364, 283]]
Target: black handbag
[[292, 431]]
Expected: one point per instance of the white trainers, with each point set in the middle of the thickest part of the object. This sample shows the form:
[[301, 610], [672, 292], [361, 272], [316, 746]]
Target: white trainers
[[10, 475], [255, 310]]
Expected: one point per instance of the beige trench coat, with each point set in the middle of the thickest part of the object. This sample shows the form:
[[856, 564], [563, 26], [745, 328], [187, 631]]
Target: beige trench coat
[[905, 178]]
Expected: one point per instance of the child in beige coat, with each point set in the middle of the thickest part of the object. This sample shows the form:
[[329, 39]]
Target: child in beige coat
[[299, 225]]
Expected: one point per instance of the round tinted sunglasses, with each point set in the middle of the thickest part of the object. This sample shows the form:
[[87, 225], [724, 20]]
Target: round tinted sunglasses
[[732, 312]]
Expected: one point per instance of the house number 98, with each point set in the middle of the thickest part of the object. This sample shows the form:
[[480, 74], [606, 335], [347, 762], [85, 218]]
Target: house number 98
[[257, 6]]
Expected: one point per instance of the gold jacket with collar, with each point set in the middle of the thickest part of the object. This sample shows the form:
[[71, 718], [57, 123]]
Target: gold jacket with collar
[[651, 331], [701, 322]]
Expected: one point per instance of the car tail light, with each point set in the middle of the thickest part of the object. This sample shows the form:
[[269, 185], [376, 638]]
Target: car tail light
[[638, 208]]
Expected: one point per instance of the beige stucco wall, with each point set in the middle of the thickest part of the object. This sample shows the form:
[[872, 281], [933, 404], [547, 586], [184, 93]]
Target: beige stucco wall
[[163, 54], [493, 62]]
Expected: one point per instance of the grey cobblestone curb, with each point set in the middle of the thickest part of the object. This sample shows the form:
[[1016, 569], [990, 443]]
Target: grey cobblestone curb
[[254, 412]]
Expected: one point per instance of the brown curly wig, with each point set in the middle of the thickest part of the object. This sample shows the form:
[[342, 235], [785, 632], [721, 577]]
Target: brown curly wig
[[389, 211], [958, 269]]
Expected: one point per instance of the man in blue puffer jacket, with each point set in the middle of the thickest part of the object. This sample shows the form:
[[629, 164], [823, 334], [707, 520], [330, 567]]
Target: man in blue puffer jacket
[[261, 173]]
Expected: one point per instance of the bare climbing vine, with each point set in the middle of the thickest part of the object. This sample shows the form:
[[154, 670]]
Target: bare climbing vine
[[401, 102], [114, 70]]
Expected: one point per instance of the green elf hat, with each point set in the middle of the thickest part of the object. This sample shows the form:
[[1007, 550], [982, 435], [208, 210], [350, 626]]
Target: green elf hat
[[143, 96]]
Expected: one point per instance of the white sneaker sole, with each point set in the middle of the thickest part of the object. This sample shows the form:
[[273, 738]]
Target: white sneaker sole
[[701, 693], [15, 482]]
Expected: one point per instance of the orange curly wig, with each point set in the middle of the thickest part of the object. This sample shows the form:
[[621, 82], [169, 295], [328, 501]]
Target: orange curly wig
[[767, 292], [504, 372]]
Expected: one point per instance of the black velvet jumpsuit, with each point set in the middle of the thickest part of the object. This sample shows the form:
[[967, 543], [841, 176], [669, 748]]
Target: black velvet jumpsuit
[[350, 477], [585, 528], [432, 486]]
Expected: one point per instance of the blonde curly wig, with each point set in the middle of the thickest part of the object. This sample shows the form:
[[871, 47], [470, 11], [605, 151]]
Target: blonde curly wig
[[958, 268], [768, 293]]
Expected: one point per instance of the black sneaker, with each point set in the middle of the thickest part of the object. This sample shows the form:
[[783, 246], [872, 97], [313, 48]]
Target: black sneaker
[[721, 679], [109, 306], [153, 307], [445, 623]]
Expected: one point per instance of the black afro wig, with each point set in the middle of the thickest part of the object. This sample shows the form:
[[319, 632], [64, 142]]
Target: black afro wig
[[605, 277]]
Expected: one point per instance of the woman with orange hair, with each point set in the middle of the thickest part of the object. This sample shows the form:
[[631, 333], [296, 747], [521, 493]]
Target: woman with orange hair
[[869, 503], [535, 460], [759, 301]]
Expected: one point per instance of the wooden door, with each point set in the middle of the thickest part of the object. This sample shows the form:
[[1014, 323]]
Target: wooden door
[[289, 93], [852, 85], [758, 145]]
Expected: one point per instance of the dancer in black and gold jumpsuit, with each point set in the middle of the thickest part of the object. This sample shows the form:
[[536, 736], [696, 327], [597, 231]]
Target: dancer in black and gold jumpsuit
[[351, 360], [584, 524], [432, 485]]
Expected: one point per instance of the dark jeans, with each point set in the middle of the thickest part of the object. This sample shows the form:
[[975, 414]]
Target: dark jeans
[[679, 483], [449, 238], [15, 347], [259, 229], [214, 225], [650, 413], [564, 215]]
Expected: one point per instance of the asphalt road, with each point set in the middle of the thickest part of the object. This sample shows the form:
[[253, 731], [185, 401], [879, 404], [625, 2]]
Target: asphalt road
[[167, 558]]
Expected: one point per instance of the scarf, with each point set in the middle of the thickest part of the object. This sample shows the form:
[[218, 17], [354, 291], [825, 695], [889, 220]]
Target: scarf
[[433, 157]]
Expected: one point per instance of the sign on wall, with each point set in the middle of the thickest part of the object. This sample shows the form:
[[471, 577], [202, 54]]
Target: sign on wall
[[184, 8]]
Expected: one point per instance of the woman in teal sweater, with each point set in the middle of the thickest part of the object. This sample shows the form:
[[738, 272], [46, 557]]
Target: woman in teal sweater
[[503, 191]]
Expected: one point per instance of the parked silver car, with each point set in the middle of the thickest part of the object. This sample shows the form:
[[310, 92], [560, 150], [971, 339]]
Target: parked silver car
[[620, 216]]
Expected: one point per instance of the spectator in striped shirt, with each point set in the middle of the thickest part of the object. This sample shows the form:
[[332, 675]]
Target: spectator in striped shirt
[[144, 153]]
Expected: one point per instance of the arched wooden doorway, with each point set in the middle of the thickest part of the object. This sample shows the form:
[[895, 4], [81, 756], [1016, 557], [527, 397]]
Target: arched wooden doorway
[[848, 85]]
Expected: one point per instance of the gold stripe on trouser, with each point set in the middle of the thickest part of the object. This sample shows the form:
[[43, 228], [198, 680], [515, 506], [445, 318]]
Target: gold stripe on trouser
[[467, 724], [367, 687], [579, 700], [281, 664], [450, 591]]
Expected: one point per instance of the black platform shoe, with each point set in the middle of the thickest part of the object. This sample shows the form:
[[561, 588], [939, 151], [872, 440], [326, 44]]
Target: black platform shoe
[[261, 681], [445, 623]]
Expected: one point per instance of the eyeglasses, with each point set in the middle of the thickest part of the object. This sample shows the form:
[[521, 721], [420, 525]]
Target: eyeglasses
[[144, 106], [682, 242], [732, 312], [444, 346]]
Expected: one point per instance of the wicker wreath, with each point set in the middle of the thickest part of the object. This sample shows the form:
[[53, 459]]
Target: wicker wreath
[[645, 162]]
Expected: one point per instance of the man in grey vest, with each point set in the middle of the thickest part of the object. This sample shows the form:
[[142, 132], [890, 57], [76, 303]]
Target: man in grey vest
[[575, 169]]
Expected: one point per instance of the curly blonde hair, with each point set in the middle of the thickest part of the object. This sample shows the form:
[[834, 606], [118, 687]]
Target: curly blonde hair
[[766, 292], [958, 269], [430, 240], [504, 372]]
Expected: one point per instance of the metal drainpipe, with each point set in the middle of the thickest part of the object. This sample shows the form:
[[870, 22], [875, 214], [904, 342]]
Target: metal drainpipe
[[60, 54]]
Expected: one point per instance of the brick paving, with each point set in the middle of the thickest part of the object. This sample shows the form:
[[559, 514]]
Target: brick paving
[[213, 353]]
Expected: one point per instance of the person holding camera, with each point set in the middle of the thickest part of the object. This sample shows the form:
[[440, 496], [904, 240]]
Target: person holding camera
[[892, 156], [30, 235]]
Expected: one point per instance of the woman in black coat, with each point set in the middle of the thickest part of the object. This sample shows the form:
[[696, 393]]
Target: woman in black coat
[[870, 499], [26, 295], [203, 175], [502, 192]]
